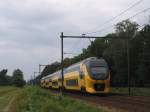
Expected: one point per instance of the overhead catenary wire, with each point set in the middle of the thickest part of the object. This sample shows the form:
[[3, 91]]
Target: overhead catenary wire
[[76, 46], [110, 26], [113, 18], [145, 10], [110, 20], [79, 45]]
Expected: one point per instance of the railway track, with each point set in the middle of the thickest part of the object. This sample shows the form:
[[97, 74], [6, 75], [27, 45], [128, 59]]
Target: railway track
[[119, 102]]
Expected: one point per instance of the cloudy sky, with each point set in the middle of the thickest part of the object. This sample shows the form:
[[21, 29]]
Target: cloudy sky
[[30, 29]]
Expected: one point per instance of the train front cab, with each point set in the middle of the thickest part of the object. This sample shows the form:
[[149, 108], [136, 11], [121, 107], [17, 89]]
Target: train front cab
[[95, 84]]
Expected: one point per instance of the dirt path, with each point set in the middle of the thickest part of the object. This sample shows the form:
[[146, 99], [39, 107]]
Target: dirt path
[[7, 96], [7, 108]]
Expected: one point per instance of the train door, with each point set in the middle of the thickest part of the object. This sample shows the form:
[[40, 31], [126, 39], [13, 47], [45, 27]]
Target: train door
[[82, 79]]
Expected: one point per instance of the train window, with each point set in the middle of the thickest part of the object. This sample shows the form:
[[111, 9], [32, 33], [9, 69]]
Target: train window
[[72, 69], [98, 63], [99, 70], [72, 82], [54, 83], [50, 80], [46, 83], [59, 79]]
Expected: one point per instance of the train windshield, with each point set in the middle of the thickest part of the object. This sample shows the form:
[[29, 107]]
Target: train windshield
[[99, 70]]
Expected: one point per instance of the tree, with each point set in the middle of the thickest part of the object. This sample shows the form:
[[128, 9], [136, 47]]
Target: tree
[[97, 47], [143, 67], [126, 28], [17, 78], [50, 68], [116, 53], [3, 77]]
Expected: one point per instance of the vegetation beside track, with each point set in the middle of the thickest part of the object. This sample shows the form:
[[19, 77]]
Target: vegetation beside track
[[134, 91], [35, 99]]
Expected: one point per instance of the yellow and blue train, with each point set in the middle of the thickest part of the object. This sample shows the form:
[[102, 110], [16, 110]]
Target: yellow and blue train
[[91, 75]]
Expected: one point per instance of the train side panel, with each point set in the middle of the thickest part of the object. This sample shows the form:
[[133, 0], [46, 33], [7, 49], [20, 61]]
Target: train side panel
[[72, 81], [55, 82]]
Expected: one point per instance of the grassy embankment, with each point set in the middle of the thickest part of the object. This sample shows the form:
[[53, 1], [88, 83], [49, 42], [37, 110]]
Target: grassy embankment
[[134, 91], [35, 99]]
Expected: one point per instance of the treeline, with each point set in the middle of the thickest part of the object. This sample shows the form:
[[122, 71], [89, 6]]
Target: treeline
[[16, 79], [113, 48]]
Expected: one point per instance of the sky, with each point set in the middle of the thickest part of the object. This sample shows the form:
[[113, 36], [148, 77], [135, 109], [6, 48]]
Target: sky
[[30, 29]]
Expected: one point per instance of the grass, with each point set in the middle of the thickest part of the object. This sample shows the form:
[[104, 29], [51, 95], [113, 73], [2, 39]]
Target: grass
[[7, 94], [4, 90], [35, 99], [40, 100], [134, 91]]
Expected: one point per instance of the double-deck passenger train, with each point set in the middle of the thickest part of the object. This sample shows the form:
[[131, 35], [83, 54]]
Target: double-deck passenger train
[[91, 75]]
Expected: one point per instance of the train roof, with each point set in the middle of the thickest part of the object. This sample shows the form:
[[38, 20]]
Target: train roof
[[50, 75], [85, 60], [76, 64]]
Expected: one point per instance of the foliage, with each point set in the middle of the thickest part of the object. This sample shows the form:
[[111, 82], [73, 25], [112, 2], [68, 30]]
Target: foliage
[[40, 100], [17, 78], [134, 91], [4, 79], [49, 69], [143, 68], [126, 29]]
